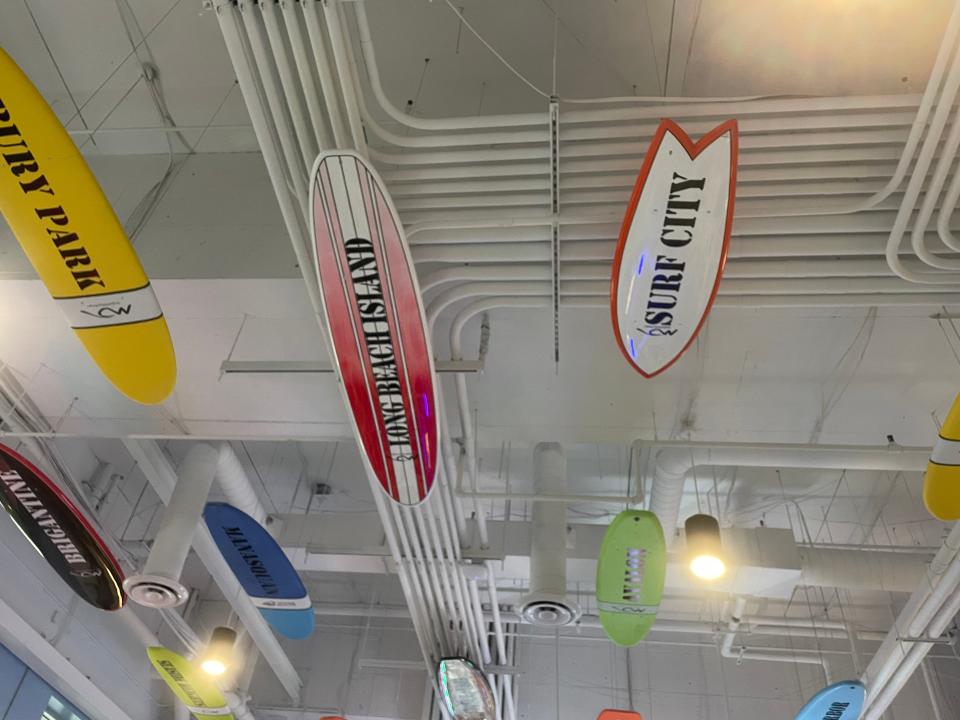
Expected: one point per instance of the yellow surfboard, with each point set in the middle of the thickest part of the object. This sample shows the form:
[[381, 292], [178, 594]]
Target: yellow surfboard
[[941, 485], [201, 696], [71, 235]]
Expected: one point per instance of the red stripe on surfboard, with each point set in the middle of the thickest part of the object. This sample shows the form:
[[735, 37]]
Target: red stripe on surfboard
[[347, 335], [416, 351], [404, 318], [375, 224]]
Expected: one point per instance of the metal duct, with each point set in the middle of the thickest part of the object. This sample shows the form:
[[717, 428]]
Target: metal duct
[[855, 570], [236, 485], [673, 465], [547, 603]]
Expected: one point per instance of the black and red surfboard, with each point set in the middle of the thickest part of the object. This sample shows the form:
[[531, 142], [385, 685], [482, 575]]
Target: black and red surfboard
[[376, 323], [59, 532]]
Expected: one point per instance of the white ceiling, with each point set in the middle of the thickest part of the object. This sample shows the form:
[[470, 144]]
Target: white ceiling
[[228, 281]]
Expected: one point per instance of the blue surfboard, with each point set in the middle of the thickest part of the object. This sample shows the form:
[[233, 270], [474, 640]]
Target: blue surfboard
[[262, 569], [843, 701]]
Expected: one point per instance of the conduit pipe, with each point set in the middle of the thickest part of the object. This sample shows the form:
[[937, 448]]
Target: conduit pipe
[[290, 207], [236, 485], [880, 697], [277, 141], [942, 578], [316, 108], [674, 463], [341, 61], [293, 90], [311, 14], [500, 640], [741, 654]]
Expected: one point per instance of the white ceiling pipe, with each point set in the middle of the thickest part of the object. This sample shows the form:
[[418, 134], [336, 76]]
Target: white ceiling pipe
[[942, 169], [316, 107], [449, 462], [722, 110], [882, 126], [275, 104], [344, 68], [293, 89], [158, 584], [941, 579], [895, 572], [236, 485], [290, 207], [328, 86], [502, 656], [880, 697], [915, 185], [433, 626], [674, 464], [465, 123], [742, 653], [548, 543]]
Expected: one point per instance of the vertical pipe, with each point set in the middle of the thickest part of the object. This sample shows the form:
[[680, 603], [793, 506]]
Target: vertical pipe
[[159, 585], [499, 637], [548, 545]]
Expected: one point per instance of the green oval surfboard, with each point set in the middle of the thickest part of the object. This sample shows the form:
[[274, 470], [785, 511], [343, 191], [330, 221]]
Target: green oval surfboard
[[631, 571]]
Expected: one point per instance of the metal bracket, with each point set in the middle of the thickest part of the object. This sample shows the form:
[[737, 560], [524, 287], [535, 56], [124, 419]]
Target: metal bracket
[[949, 640], [555, 224]]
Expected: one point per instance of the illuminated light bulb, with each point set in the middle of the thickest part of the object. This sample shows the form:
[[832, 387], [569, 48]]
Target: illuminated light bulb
[[218, 656], [213, 666], [708, 567], [703, 547]]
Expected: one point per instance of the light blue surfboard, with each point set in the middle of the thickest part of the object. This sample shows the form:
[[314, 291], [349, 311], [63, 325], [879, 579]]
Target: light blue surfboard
[[842, 701], [262, 569]]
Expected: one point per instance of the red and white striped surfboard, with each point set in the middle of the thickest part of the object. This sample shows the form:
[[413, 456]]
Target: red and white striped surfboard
[[376, 323]]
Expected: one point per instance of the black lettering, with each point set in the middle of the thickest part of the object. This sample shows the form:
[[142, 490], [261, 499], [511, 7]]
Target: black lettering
[[38, 184], [87, 278], [56, 215], [21, 163]]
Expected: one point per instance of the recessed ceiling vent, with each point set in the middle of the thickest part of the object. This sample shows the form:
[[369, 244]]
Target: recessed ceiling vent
[[548, 604]]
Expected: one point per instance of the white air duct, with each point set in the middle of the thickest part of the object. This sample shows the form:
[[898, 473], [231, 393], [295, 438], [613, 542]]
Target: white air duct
[[547, 603], [674, 463]]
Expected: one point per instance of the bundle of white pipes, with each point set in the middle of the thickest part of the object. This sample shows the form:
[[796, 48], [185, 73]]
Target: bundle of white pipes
[[296, 77], [928, 613]]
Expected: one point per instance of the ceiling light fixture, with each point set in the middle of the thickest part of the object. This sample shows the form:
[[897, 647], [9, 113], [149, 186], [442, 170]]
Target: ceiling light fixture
[[703, 547], [218, 656]]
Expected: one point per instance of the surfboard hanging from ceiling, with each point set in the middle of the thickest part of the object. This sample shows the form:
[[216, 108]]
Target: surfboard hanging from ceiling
[[74, 241], [263, 570], [202, 698], [673, 244], [631, 572], [59, 532], [376, 324], [941, 484], [842, 701]]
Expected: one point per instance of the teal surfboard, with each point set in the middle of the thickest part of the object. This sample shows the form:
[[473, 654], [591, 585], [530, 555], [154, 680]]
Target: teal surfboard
[[631, 570], [842, 701]]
